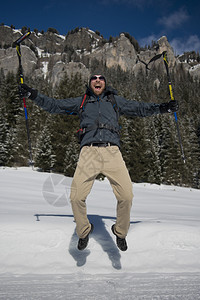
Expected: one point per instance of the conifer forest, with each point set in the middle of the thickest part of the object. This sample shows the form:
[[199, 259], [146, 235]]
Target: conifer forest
[[150, 146]]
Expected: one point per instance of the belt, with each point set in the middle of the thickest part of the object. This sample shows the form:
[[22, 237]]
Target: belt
[[100, 144]]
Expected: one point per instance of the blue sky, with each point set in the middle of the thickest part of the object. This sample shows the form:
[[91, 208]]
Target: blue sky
[[146, 20]]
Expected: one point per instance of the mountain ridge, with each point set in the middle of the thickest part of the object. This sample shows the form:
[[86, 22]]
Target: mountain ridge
[[51, 55]]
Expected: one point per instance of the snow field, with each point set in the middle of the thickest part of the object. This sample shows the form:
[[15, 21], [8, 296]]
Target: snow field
[[38, 254]]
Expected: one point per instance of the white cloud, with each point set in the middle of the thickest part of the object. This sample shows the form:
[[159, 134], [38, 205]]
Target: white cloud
[[192, 43], [147, 40], [174, 20], [180, 45]]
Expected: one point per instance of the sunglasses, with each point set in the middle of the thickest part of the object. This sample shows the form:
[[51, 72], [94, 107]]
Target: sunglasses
[[100, 77]]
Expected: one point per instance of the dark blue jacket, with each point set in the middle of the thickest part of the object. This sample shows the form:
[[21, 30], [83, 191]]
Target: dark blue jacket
[[98, 111]]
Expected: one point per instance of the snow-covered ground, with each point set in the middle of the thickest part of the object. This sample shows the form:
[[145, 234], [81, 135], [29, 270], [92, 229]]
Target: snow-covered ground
[[38, 254]]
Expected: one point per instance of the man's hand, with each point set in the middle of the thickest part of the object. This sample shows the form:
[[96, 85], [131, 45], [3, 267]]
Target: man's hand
[[27, 92], [171, 106]]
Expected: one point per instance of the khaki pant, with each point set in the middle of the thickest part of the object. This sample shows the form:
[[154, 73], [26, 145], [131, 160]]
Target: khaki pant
[[108, 161]]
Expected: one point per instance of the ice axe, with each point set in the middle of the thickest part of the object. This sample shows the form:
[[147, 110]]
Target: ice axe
[[17, 45], [166, 63]]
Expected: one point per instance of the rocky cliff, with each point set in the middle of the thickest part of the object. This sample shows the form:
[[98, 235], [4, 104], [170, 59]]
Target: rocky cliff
[[51, 55]]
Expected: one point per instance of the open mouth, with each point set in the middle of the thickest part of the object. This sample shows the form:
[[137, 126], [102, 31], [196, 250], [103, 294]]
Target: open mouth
[[97, 87]]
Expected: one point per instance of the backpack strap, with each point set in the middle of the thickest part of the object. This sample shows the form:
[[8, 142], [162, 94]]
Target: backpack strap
[[84, 101], [111, 98]]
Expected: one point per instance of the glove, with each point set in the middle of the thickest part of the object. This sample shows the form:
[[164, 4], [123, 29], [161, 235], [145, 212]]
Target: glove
[[27, 92], [171, 106]]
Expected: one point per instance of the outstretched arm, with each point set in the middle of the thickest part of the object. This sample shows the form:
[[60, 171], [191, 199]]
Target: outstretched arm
[[63, 106], [134, 108]]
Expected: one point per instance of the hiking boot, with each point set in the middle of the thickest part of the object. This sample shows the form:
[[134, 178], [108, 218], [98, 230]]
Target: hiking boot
[[82, 243], [121, 243]]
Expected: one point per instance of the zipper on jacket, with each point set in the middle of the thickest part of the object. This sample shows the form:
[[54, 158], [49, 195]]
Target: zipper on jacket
[[100, 134]]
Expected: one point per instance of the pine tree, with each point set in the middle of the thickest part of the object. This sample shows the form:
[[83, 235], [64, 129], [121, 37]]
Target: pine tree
[[63, 127], [10, 97], [44, 157], [12, 108], [134, 148], [71, 157], [20, 146], [4, 144], [191, 174], [153, 167]]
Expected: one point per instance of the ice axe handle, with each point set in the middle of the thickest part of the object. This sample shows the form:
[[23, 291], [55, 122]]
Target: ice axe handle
[[21, 39]]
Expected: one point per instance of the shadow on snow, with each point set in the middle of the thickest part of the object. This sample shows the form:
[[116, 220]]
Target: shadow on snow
[[99, 234]]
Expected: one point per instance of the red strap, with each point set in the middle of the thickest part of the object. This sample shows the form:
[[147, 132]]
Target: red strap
[[81, 129], [83, 101]]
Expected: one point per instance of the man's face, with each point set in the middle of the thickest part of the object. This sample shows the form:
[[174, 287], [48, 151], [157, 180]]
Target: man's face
[[97, 84]]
